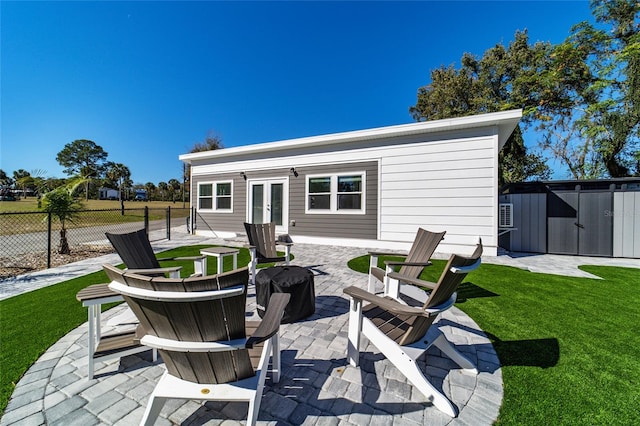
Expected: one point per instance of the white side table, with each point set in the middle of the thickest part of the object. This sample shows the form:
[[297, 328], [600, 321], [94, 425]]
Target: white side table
[[220, 253]]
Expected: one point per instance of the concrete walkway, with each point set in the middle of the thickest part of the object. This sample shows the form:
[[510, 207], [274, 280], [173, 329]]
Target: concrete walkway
[[317, 387]]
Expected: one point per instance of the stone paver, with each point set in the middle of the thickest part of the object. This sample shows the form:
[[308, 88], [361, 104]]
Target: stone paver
[[317, 387]]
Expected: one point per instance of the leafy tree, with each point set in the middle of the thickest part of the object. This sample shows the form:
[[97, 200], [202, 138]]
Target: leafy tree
[[20, 173], [582, 96], [211, 142], [119, 174], [151, 189], [24, 181], [64, 206], [5, 180], [163, 188], [82, 158], [498, 81], [174, 186], [596, 130]]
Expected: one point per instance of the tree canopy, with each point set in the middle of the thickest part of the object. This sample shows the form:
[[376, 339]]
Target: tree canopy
[[581, 97], [82, 157], [495, 82]]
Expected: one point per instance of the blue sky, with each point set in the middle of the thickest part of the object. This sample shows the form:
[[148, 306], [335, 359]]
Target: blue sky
[[148, 80]]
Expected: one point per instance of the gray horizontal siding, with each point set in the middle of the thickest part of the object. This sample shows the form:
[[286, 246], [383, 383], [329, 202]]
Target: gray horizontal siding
[[231, 222], [335, 225], [317, 225]]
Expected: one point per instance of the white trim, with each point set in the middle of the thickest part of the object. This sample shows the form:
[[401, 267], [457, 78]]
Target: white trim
[[175, 296], [186, 346], [334, 193], [268, 182], [214, 197]]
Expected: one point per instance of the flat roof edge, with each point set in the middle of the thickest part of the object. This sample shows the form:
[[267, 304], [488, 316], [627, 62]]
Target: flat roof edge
[[467, 122]]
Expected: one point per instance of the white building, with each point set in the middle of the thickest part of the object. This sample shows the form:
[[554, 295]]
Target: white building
[[366, 188]]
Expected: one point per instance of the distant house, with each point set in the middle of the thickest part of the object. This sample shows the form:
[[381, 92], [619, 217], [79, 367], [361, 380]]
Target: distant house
[[366, 188], [108, 194]]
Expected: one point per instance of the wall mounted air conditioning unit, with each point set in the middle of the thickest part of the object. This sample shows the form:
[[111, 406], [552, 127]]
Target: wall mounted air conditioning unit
[[505, 215]]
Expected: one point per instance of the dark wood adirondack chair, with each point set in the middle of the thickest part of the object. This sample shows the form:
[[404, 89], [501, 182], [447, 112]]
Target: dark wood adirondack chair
[[136, 252], [262, 245], [199, 327], [424, 244], [404, 330]]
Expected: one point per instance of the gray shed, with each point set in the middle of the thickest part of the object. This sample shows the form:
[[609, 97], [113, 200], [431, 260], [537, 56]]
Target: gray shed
[[586, 218]]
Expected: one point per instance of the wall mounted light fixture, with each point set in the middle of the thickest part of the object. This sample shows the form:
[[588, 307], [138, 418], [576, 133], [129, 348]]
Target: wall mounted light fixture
[[244, 176], [293, 171]]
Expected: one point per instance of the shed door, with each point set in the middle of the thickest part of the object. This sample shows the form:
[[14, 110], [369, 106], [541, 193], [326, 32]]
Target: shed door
[[595, 225], [562, 223], [578, 223], [268, 202]]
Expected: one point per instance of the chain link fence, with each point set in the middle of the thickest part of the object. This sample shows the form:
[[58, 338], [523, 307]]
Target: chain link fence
[[31, 240]]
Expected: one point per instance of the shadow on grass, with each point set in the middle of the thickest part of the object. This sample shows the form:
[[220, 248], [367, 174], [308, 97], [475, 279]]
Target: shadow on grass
[[468, 290], [543, 353]]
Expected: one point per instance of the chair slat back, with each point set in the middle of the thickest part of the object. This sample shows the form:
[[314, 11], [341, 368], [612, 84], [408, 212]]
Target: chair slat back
[[207, 320], [451, 277], [263, 237], [134, 249], [422, 249], [454, 273]]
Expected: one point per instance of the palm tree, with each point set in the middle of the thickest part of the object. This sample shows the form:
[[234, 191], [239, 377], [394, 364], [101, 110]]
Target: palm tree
[[174, 186], [151, 188], [64, 206], [119, 174], [162, 187]]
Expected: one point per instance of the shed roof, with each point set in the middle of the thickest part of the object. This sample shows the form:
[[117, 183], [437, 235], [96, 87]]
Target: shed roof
[[506, 121]]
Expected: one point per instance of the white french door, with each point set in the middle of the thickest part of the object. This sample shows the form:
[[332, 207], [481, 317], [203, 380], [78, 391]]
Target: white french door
[[269, 202]]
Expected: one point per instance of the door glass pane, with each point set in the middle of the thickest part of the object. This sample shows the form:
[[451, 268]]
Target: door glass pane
[[257, 210], [276, 203]]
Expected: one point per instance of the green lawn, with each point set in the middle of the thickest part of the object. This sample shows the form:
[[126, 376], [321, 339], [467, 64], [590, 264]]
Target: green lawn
[[569, 347]]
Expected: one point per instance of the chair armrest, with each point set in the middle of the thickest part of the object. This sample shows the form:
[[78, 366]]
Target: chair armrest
[[401, 263], [413, 281], [200, 257], [387, 253], [168, 269], [385, 303], [271, 320]]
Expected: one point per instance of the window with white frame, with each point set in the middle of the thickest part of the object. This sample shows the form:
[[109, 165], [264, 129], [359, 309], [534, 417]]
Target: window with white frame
[[336, 193], [215, 196]]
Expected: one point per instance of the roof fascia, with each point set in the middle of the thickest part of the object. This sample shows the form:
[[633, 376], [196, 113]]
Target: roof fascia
[[506, 121]]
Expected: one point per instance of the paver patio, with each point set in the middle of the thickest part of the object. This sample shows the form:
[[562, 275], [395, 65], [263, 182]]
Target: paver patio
[[317, 387]]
